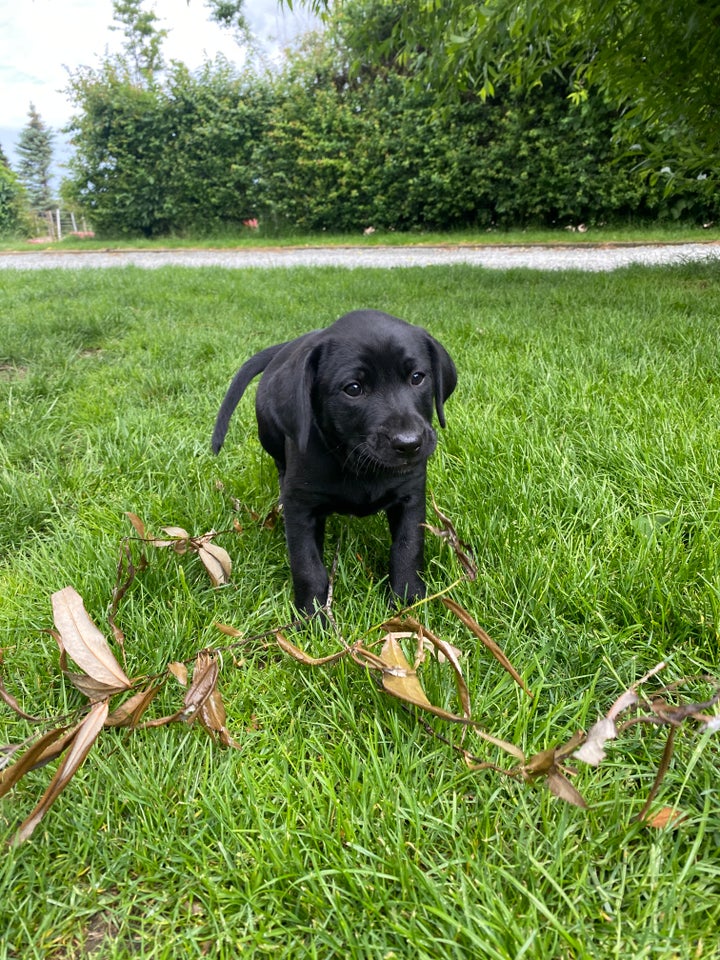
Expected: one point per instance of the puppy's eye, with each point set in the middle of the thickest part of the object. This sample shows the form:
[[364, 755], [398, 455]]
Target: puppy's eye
[[417, 378], [353, 389]]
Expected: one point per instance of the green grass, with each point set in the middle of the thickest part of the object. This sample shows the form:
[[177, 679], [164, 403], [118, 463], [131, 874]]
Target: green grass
[[609, 233], [581, 460]]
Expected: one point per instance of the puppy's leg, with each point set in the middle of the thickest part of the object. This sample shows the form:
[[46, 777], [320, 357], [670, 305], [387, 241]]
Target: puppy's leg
[[305, 534], [408, 548]]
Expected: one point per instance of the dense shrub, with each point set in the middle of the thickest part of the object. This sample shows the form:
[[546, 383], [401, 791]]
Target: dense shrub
[[343, 152], [164, 157], [13, 203], [318, 147]]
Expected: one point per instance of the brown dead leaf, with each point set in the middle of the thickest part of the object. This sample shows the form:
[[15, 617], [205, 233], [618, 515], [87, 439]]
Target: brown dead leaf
[[429, 646], [82, 742], [592, 751], [297, 654], [445, 652], [462, 550], [78, 636], [213, 718], [11, 702], [180, 539], [137, 523], [217, 562], [204, 679], [32, 758], [269, 521], [179, 671], [662, 770], [676, 714], [215, 559], [129, 712], [560, 786], [398, 677], [489, 644], [204, 702], [665, 817], [539, 764], [229, 630], [548, 765]]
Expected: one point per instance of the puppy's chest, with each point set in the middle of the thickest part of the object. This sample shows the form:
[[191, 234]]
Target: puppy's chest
[[350, 495]]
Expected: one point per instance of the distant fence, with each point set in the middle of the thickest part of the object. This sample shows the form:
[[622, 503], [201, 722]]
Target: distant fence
[[61, 223]]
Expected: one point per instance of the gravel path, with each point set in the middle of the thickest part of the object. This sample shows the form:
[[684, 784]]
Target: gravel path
[[562, 257]]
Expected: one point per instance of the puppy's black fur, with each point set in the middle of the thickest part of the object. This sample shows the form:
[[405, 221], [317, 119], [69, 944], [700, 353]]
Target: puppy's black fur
[[346, 413]]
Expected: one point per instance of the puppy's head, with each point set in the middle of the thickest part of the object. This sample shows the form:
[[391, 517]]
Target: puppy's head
[[375, 384]]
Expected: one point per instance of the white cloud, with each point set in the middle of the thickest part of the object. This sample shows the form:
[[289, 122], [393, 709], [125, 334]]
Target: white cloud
[[40, 40]]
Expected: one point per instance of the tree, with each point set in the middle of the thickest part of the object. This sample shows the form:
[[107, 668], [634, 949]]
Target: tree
[[12, 200], [143, 39], [658, 61], [34, 149], [175, 156]]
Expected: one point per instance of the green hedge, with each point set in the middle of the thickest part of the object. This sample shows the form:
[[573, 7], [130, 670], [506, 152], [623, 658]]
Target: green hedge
[[316, 148]]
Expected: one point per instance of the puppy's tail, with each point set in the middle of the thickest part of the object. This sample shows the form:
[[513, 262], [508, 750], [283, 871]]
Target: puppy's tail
[[247, 372]]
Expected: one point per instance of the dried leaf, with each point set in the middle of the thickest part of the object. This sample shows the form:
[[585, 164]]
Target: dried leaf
[[399, 678], [561, 787], [592, 751], [180, 541], [675, 715], [204, 702], [217, 562], [11, 702], [213, 718], [441, 658], [83, 740], [489, 644], [179, 671], [229, 631], [662, 770], [269, 521], [54, 750], [628, 699], [137, 523], [82, 640], [297, 654], [665, 817], [445, 651], [205, 675], [129, 712], [540, 764], [462, 550], [30, 759]]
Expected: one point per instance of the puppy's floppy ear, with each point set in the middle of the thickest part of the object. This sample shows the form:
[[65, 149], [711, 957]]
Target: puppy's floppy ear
[[444, 376], [294, 383]]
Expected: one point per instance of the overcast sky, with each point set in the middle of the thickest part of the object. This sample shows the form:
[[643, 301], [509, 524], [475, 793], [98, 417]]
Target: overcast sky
[[41, 39]]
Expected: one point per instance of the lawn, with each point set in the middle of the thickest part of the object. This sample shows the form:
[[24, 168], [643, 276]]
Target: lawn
[[581, 462], [669, 232]]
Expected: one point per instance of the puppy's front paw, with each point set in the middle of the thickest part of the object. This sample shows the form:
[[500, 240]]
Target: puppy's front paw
[[409, 591], [309, 598]]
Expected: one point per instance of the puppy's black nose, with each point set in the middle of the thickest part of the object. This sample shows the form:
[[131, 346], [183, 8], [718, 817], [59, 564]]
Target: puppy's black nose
[[407, 443]]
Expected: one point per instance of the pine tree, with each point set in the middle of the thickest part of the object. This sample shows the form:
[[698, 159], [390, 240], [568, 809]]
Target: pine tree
[[34, 149]]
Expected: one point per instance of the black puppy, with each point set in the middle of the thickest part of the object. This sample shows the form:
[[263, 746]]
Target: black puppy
[[346, 413]]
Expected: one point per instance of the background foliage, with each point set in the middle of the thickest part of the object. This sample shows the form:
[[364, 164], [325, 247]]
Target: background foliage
[[12, 200], [336, 141], [656, 62]]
